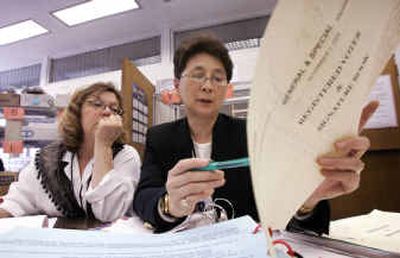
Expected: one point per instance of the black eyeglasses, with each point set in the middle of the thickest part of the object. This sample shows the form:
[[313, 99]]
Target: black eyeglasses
[[98, 104]]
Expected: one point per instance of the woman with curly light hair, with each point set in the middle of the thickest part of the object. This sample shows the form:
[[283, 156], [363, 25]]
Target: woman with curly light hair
[[89, 172]]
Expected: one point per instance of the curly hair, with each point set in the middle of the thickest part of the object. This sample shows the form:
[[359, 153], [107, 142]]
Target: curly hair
[[201, 43], [70, 127]]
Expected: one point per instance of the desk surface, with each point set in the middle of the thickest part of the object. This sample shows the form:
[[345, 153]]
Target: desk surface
[[81, 223]]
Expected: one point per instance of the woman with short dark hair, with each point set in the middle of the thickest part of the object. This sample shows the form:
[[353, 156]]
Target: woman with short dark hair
[[172, 194]]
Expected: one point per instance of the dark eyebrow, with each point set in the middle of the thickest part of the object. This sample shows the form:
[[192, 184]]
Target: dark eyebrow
[[201, 68], [111, 103], [220, 71], [96, 98], [198, 69]]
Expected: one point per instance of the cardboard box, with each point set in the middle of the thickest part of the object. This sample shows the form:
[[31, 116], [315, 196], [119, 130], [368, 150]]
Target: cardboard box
[[39, 132], [37, 100], [9, 100]]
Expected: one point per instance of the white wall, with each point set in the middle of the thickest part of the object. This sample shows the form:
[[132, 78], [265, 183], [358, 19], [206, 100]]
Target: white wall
[[153, 72], [244, 61], [69, 86], [244, 65]]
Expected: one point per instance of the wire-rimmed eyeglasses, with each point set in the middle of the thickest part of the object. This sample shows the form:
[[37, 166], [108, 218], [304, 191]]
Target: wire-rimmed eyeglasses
[[201, 79], [98, 104]]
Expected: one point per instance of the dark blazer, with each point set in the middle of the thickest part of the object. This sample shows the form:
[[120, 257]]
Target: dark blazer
[[168, 143]]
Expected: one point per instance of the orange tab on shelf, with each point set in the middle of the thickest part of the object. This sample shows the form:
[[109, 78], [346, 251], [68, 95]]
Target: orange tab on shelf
[[13, 146], [14, 113]]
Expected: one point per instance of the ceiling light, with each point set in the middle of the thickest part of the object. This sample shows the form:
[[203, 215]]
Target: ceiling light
[[20, 31], [94, 9]]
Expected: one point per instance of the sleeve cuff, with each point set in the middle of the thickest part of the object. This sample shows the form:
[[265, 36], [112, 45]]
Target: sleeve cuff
[[304, 216], [163, 216], [106, 186], [12, 208]]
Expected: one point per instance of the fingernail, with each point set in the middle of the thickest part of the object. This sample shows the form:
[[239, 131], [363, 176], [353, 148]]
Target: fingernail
[[340, 144], [324, 161]]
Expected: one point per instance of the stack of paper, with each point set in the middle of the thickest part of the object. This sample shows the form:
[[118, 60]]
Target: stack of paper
[[127, 225], [228, 239], [377, 229], [37, 221]]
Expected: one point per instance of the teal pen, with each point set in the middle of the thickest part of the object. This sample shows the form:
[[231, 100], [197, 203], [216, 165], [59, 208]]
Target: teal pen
[[234, 163]]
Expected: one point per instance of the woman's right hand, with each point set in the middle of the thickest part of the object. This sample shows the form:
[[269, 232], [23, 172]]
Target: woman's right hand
[[109, 128], [186, 186]]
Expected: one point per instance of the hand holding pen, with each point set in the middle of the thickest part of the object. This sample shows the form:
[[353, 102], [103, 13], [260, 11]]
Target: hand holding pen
[[234, 163], [186, 186]]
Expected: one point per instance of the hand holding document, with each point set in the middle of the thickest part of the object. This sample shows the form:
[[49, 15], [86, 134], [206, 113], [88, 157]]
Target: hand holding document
[[318, 61]]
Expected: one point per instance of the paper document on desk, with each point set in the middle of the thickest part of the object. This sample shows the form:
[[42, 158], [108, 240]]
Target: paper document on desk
[[378, 229], [37, 221], [233, 238], [132, 225], [385, 116], [317, 63]]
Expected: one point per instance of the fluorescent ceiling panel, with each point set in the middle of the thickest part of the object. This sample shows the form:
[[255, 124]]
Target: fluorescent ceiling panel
[[20, 31], [94, 9]]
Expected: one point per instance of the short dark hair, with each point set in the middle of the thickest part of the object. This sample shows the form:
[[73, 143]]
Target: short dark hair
[[201, 43]]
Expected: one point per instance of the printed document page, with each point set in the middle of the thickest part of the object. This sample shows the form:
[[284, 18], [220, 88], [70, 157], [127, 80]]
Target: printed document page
[[378, 229], [37, 221], [317, 63], [233, 238], [131, 225], [385, 116]]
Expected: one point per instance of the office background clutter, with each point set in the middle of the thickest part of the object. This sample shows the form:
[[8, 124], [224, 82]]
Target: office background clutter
[[66, 57]]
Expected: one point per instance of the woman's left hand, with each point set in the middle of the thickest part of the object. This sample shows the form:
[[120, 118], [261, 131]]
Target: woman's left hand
[[108, 129], [342, 172]]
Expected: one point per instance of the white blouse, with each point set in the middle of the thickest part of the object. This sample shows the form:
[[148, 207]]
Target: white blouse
[[109, 200]]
